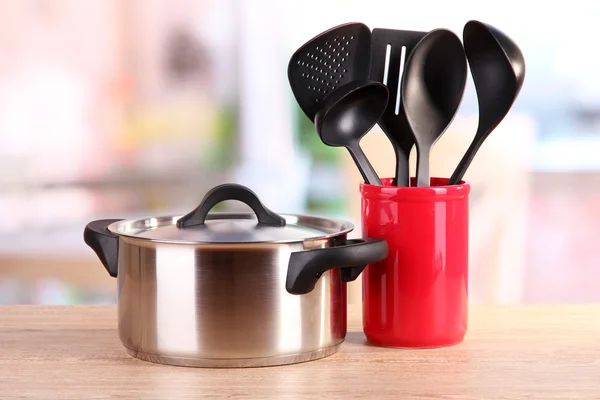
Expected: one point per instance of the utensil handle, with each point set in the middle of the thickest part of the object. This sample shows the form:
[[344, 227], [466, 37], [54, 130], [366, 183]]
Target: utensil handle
[[230, 191], [464, 163], [423, 178], [104, 243], [305, 267], [402, 168], [364, 166]]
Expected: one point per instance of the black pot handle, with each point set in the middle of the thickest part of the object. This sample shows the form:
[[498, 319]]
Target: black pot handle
[[104, 243], [306, 267], [230, 191]]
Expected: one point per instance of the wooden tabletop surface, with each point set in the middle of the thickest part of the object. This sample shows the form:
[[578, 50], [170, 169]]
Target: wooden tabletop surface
[[533, 352]]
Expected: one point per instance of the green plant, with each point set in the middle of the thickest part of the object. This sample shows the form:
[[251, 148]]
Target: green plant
[[310, 141], [224, 128]]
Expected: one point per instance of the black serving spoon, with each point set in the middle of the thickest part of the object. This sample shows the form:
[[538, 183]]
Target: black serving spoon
[[498, 69], [433, 84], [347, 114]]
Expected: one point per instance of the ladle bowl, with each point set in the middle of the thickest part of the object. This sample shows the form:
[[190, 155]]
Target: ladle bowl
[[347, 114], [498, 69]]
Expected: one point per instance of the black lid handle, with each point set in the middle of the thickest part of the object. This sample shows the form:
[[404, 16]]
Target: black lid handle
[[230, 191]]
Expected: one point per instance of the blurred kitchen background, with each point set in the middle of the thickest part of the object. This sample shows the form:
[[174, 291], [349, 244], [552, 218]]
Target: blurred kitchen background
[[130, 108]]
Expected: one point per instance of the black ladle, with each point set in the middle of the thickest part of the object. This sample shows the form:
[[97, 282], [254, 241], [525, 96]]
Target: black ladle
[[433, 84], [498, 68], [347, 114]]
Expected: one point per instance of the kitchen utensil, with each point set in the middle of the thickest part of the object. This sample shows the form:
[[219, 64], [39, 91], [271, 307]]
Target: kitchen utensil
[[498, 68], [347, 114], [334, 65], [389, 50], [329, 60], [231, 289], [417, 296], [432, 89]]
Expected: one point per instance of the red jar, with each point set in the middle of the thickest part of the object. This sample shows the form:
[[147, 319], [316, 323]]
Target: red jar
[[418, 295]]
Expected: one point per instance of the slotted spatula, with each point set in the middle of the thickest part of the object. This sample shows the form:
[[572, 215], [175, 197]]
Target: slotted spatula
[[389, 49], [337, 56]]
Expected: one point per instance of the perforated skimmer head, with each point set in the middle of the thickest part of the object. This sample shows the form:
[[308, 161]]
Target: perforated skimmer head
[[335, 57]]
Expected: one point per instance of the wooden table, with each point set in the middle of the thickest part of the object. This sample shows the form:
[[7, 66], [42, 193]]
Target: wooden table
[[73, 352]]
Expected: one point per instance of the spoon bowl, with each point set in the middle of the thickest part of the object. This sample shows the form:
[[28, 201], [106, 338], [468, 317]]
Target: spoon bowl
[[347, 114], [432, 89], [498, 69], [351, 111]]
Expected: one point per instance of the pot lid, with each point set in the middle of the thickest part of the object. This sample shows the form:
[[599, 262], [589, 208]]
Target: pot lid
[[200, 226]]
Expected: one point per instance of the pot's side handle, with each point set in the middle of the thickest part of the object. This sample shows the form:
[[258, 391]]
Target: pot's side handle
[[104, 243], [305, 267], [230, 191]]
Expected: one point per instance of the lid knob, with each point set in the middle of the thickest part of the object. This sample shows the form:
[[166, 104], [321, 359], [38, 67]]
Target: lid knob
[[230, 191]]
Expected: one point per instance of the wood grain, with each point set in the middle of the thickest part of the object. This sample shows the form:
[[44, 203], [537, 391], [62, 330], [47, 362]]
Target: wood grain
[[533, 352]]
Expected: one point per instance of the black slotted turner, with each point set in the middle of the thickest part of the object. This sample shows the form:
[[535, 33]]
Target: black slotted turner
[[386, 67], [334, 58]]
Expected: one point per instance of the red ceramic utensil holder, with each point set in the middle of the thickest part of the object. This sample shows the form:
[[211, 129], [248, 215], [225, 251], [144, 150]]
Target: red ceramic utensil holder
[[418, 295]]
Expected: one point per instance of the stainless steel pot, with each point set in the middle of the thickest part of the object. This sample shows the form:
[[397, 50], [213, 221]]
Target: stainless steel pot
[[231, 289]]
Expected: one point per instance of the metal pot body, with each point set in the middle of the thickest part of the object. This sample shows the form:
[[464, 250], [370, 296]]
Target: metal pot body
[[225, 305], [231, 290]]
